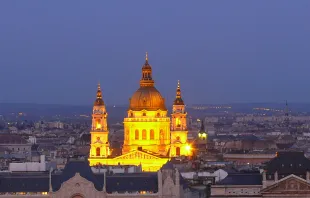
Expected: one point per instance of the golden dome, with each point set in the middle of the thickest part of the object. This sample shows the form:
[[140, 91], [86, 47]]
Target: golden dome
[[147, 96]]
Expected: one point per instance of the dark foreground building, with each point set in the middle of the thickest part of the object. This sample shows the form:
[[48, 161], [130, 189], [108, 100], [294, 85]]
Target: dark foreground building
[[78, 181]]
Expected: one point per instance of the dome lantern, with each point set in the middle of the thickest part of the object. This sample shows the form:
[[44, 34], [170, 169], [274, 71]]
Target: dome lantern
[[146, 80]]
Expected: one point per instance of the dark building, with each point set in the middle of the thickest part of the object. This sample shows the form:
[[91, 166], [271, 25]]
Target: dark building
[[78, 180], [287, 163]]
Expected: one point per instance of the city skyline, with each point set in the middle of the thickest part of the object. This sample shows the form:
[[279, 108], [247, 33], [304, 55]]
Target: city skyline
[[237, 52]]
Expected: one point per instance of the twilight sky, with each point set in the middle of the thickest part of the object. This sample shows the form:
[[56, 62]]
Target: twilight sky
[[55, 52]]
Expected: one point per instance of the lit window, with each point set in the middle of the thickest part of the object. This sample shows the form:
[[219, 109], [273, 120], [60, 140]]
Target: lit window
[[97, 151], [152, 134], [143, 134], [137, 134]]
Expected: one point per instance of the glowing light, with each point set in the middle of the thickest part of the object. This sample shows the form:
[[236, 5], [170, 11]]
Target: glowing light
[[98, 126], [188, 148], [202, 135]]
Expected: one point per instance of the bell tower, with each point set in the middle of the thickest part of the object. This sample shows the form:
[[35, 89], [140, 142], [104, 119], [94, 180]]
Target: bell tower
[[179, 131], [99, 146]]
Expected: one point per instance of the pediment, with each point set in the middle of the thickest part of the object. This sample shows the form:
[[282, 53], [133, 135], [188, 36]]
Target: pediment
[[77, 180], [77, 186], [137, 155], [288, 185], [98, 142], [177, 142]]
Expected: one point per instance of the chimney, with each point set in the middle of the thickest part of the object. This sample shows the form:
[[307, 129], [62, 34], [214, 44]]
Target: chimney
[[276, 176], [264, 179], [160, 183]]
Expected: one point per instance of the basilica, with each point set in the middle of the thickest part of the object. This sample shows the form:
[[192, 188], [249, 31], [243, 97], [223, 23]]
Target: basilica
[[151, 136]]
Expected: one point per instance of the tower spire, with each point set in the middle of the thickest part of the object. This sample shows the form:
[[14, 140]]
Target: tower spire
[[286, 119], [178, 95], [99, 93], [202, 127], [146, 56], [178, 98], [99, 100]]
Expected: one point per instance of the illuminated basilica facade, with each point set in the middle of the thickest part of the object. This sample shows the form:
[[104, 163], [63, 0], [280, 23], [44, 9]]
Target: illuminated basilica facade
[[151, 137]]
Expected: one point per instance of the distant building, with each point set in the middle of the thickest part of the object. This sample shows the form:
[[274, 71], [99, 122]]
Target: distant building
[[15, 143], [286, 175]]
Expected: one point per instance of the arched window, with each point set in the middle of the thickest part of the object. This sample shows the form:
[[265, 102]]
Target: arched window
[[152, 134], [137, 134], [177, 151], [143, 134], [97, 151]]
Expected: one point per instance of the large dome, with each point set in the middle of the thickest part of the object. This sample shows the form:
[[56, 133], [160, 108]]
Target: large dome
[[147, 98]]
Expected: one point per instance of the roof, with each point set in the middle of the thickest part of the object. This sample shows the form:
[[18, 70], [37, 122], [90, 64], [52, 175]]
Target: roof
[[288, 162], [24, 182], [132, 182], [242, 179], [85, 137], [12, 139], [148, 98]]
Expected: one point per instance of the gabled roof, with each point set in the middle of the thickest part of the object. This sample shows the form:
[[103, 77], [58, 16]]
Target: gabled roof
[[292, 184]]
